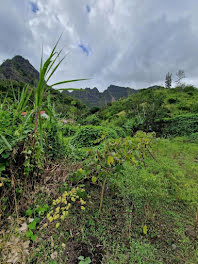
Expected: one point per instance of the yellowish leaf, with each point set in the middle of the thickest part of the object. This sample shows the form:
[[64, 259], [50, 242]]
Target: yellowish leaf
[[110, 160], [145, 229]]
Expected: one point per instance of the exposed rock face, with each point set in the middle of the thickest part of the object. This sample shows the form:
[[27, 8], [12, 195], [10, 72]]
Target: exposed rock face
[[93, 97], [19, 69]]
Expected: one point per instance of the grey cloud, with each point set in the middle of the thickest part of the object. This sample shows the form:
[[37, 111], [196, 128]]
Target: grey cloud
[[131, 43]]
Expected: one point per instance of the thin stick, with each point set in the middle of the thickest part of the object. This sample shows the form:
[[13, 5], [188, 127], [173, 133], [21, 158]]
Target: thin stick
[[102, 194]]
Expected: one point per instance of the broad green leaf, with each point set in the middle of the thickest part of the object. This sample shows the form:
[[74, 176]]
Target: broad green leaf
[[5, 155], [32, 225], [2, 167], [94, 179], [28, 212], [29, 234], [34, 237]]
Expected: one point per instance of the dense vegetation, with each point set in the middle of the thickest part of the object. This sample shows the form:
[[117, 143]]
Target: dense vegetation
[[112, 185]]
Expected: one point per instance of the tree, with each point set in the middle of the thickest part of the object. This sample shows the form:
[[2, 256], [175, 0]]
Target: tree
[[168, 80], [180, 76]]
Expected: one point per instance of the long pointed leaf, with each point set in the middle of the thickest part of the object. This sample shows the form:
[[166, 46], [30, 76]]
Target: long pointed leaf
[[55, 69], [58, 54], [13, 91], [77, 80], [6, 142], [41, 63], [70, 89]]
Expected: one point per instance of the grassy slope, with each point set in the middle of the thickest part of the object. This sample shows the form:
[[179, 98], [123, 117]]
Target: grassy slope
[[157, 195], [177, 101], [161, 196]]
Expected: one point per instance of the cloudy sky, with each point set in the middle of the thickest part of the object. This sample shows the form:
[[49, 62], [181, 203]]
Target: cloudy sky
[[123, 42]]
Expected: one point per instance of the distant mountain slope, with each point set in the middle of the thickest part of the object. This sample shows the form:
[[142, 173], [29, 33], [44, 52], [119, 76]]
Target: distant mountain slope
[[18, 69], [93, 97]]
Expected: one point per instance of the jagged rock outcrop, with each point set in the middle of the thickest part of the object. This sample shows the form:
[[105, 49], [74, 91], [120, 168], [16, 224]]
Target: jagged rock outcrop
[[93, 97]]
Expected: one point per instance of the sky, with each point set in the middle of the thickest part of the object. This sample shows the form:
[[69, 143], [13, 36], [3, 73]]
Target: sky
[[128, 43]]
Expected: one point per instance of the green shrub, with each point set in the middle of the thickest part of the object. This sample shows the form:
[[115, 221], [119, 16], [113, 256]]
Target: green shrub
[[193, 138], [53, 140], [172, 100], [182, 125], [129, 126], [92, 135], [68, 130], [119, 121], [92, 120], [120, 131], [72, 152], [190, 89]]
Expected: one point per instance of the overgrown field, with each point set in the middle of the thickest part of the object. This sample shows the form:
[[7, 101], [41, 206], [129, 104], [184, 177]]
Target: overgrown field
[[112, 185]]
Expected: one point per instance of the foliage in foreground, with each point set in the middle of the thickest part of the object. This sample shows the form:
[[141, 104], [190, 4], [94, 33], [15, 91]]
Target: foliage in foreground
[[99, 191], [149, 206]]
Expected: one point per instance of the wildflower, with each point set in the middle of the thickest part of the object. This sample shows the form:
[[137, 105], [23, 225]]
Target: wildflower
[[73, 199], [82, 208], [57, 225]]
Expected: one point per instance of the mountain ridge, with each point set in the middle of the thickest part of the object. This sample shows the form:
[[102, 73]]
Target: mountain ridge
[[21, 70], [96, 98]]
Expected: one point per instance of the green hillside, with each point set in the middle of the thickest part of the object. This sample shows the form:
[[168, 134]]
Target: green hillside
[[116, 185], [165, 111]]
